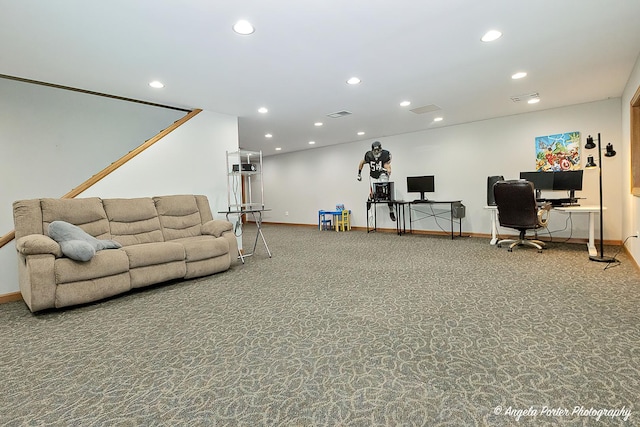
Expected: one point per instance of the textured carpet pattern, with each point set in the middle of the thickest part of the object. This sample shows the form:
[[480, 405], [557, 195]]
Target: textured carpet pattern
[[340, 329]]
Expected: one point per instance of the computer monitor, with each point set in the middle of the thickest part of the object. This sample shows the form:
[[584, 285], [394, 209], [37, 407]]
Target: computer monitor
[[421, 184], [567, 180], [555, 181], [540, 180]]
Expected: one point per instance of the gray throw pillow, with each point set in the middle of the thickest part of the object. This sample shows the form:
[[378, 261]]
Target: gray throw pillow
[[77, 244]]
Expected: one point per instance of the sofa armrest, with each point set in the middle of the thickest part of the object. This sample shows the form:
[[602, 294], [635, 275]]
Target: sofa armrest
[[38, 244], [216, 227]]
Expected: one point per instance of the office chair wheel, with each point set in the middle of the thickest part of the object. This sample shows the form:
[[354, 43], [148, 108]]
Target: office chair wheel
[[499, 245], [510, 249]]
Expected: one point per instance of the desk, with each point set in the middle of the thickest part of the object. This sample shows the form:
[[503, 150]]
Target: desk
[[432, 214], [591, 210], [257, 218], [400, 223]]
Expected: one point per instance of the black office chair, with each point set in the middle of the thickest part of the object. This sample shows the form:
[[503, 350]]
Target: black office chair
[[517, 208]]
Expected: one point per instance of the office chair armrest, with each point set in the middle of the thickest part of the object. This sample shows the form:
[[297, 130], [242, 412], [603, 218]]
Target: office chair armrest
[[543, 214]]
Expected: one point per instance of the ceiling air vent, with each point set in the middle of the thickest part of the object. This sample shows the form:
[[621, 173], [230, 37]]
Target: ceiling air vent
[[426, 109], [339, 114], [525, 97]]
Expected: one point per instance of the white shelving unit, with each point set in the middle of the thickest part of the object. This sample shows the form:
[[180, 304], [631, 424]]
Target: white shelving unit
[[245, 194], [244, 178]]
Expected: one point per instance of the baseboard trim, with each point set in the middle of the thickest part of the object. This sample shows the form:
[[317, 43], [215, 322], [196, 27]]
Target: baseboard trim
[[12, 297]]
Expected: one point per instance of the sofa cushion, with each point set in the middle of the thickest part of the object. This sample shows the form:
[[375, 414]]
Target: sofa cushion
[[179, 216], [27, 217], [103, 264], [146, 254], [203, 247], [87, 214], [216, 228], [133, 221]]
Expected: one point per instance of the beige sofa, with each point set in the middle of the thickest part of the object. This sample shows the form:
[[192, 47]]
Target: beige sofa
[[163, 238]]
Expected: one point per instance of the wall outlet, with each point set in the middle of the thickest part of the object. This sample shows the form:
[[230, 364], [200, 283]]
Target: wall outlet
[[286, 213]]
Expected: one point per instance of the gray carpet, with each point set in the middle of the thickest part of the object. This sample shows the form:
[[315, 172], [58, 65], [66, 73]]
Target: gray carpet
[[342, 329]]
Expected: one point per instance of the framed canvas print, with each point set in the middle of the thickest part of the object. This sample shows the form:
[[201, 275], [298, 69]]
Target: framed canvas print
[[560, 152]]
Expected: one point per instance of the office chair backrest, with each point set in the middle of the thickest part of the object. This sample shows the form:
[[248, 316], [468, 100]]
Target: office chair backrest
[[516, 201]]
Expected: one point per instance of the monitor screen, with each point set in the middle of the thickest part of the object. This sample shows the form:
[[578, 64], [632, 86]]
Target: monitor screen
[[567, 180], [540, 180], [421, 184]]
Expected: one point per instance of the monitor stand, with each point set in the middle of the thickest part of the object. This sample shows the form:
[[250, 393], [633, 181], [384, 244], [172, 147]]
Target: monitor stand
[[422, 199]]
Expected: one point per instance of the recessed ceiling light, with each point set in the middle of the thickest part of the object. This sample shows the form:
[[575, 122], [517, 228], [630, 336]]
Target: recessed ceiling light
[[262, 110], [268, 135], [405, 103], [491, 36], [317, 124], [278, 148], [519, 75], [533, 101], [360, 133], [243, 27], [311, 142], [437, 119], [156, 84], [353, 81]]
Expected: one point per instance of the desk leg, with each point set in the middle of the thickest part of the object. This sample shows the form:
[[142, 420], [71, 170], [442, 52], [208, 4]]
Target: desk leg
[[451, 210], [372, 217], [591, 245], [494, 227]]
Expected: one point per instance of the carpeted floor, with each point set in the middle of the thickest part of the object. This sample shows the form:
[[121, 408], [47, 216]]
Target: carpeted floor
[[342, 329]]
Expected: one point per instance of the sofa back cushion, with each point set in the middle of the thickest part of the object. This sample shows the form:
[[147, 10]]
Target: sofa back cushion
[[133, 221], [86, 213], [179, 216], [27, 217]]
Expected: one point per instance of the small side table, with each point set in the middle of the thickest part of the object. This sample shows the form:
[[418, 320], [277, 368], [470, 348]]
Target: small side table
[[256, 214]]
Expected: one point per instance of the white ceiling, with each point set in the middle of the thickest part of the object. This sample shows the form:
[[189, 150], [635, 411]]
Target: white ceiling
[[302, 52]]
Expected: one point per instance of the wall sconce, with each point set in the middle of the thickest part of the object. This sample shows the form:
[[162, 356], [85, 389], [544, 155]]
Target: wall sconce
[[610, 152]]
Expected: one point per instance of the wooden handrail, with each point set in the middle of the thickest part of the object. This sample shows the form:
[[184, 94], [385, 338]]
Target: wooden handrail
[[7, 238], [113, 166]]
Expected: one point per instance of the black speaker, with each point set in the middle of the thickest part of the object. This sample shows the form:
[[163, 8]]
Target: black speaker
[[491, 201]]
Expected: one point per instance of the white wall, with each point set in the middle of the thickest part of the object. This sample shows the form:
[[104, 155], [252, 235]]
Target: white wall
[[631, 204], [461, 158], [190, 160], [53, 140]]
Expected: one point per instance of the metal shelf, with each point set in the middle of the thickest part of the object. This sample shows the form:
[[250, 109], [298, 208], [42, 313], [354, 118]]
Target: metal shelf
[[242, 184]]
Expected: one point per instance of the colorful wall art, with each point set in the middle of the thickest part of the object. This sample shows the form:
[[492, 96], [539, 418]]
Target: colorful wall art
[[558, 152]]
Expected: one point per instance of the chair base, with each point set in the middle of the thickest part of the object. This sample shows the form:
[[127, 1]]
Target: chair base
[[539, 245]]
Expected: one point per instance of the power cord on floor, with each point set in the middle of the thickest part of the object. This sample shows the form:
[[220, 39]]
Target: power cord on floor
[[614, 261]]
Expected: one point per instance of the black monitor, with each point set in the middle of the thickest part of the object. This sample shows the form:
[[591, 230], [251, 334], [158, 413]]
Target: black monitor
[[555, 181], [421, 184], [540, 180], [567, 180]]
